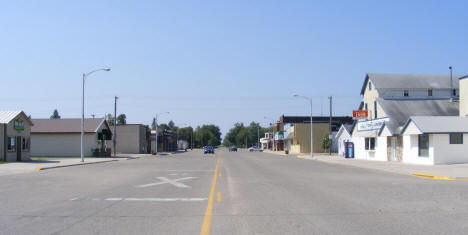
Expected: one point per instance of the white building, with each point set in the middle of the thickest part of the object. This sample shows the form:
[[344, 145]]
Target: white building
[[433, 140], [265, 140], [342, 136], [62, 137], [391, 100]]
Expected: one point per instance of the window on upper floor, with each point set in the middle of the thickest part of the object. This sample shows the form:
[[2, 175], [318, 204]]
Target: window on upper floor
[[429, 92], [375, 109], [454, 92], [365, 105], [405, 93], [370, 86]]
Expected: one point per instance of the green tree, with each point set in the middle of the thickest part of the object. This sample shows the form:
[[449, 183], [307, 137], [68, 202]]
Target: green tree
[[207, 135], [185, 134], [245, 136], [55, 115], [110, 119], [326, 142], [122, 119], [164, 126]]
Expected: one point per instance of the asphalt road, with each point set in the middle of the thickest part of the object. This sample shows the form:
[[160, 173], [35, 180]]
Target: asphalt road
[[228, 193]]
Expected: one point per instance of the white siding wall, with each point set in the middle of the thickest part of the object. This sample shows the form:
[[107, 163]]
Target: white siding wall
[[62, 145], [381, 149], [343, 138], [359, 151], [411, 151], [446, 153]]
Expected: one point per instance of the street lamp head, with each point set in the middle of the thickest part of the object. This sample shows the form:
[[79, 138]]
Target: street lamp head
[[107, 69], [295, 95]]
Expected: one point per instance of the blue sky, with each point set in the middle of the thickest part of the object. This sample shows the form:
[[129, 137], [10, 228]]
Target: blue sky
[[217, 62]]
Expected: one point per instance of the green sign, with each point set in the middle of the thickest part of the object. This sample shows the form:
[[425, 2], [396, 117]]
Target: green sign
[[19, 124]]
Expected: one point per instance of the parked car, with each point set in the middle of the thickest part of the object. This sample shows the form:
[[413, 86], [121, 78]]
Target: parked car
[[254, 148], [233, 149], [208, 149]]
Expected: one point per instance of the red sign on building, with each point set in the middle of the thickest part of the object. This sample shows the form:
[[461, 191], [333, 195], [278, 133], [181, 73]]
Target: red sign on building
[[360, 114]]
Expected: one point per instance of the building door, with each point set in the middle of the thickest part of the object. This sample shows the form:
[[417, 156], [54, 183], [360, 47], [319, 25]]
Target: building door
[[18, 148], [393, 149]]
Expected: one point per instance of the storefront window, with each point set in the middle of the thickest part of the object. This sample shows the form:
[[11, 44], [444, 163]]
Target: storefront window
[[11, 144], [423, 143]]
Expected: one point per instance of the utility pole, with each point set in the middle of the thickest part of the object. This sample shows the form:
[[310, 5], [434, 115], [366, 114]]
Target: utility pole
[[191, 146], [330, 135], [115, 123], [246, 141], [258, 135]]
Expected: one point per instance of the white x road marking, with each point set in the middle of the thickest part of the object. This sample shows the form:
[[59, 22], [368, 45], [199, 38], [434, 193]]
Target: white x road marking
[[165, 180]]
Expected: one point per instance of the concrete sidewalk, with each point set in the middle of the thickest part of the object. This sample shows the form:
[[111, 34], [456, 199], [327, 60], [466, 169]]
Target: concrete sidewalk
[[450, 172], [45, 163], [458, 171]]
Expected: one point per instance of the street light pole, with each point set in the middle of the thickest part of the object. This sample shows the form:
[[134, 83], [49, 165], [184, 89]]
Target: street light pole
[[115, 127], [85, 75], [311, 128]]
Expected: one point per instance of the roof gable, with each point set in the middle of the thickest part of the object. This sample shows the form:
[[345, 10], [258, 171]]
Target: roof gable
[[437, 124], [344, 129], [8, 116], [67, 125], [399, 111], [410, 81]]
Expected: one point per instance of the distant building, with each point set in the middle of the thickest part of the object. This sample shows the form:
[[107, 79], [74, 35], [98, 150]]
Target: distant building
[[132, 138], [266, 140], [15, 129], [167, 141], [297, 138], [62, 137]]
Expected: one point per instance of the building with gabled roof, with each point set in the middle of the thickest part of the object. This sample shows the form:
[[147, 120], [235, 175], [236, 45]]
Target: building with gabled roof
[[391, 99], [15, 129], [62, 137]]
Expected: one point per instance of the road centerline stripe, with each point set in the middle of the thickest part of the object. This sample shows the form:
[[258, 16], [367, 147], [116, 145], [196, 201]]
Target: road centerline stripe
[[205, 230], [219, 199]]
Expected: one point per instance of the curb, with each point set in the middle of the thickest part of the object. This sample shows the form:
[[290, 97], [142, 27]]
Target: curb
[[434, 177], [77, 164]]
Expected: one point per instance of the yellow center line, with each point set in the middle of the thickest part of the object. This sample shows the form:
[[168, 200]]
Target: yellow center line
[[219, 197], [205, 229]]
